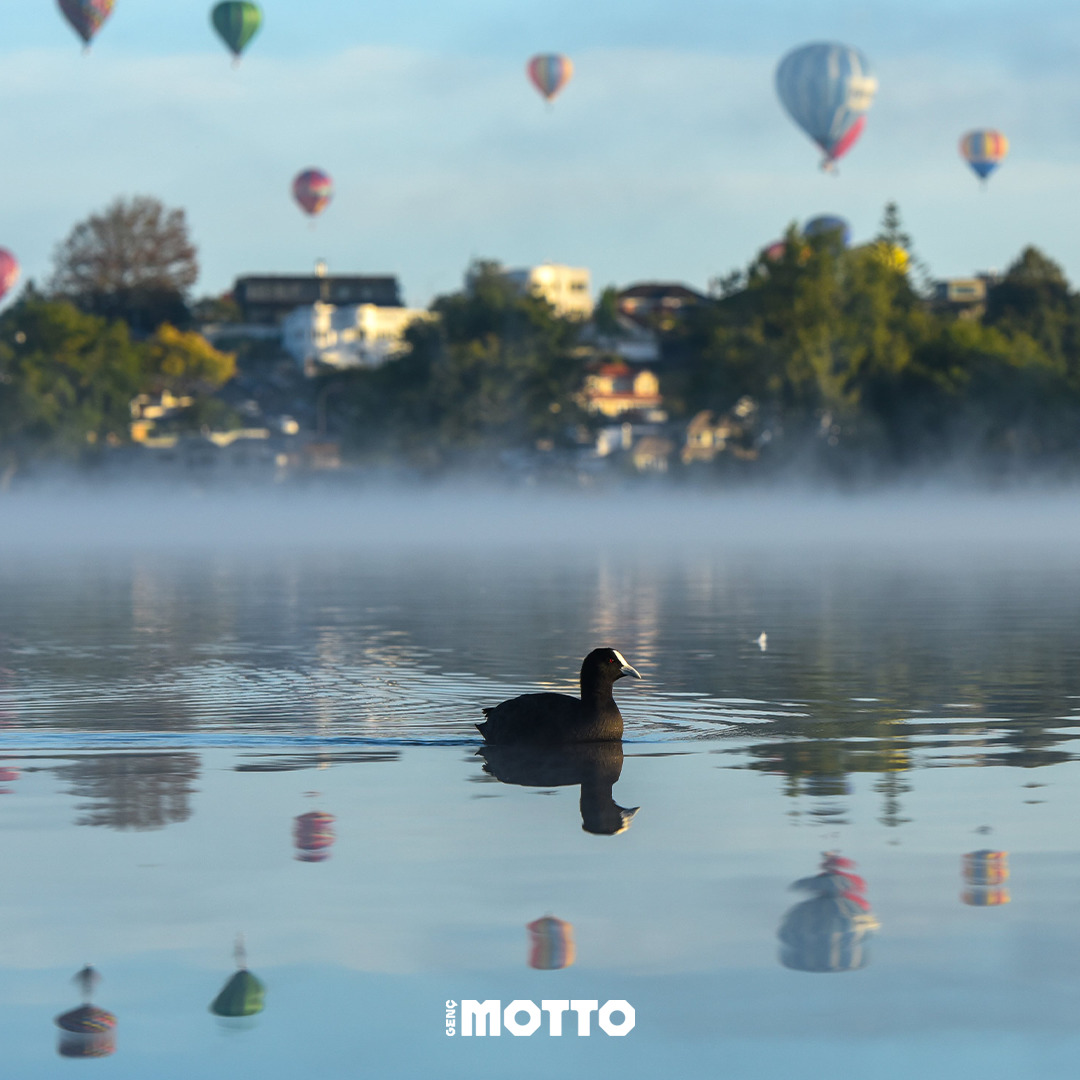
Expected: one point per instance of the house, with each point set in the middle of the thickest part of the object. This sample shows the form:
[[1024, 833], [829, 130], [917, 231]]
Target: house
[[358, 335], [267, 298], [657, 305], [626, 339], [565, 288], [707, 435], [615, 389], [963, 297]]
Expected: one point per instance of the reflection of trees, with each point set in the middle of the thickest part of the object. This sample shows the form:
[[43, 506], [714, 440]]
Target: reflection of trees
[[132, 791]]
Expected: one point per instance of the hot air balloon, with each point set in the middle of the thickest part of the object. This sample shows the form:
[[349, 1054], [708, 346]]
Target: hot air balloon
[[313, 190], [827, 89], [551, 944], [243, 994], [984, 151], [87, 1031], [825, 224], [830, 931], [236, 22], [9, 272], [985, 873], [86, 16], [549, 73], [313, 834]]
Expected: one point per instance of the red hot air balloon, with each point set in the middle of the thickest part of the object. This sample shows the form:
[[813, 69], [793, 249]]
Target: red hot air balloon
[[313, 190], [9, 272], [549, 73], [86, 16], [313, 834]]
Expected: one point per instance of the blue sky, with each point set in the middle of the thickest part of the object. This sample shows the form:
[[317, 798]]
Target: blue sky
[[667, 157]]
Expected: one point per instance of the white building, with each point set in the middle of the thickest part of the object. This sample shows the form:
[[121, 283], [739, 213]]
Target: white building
[[565, 288], [356, 335]]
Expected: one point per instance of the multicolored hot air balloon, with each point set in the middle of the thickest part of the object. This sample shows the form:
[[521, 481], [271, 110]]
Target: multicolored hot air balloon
[[313, 190], [827, 89], [86, 16], [549, 73], [830, 931], [826, 224], [985, 873], [86, 1032], [9, 272], [237, 22], [313, 834], [551, 944], [984, 151]]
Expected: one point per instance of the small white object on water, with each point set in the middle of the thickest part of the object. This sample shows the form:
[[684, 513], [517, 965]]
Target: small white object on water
[[762, 641]]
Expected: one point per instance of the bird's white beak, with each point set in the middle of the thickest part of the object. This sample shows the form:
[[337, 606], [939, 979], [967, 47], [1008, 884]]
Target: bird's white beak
[[626, 669]]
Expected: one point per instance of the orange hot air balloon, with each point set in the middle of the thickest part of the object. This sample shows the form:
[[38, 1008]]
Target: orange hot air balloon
[[549, 73], [313, 189]]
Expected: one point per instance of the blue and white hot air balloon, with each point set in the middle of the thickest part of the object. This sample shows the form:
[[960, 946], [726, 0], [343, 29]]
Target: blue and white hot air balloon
[[827, 89]]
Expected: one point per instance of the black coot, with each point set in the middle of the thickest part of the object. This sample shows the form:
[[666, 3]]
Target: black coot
[[559, 718]]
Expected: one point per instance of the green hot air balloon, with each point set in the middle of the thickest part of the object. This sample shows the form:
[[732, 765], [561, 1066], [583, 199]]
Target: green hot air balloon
[[237, 21], [242, 995]]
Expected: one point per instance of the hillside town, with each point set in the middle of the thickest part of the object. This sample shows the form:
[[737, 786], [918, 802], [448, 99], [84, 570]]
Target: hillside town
[[821, 355]]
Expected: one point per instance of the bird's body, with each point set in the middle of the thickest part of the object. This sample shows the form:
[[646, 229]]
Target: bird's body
[[550, 718]]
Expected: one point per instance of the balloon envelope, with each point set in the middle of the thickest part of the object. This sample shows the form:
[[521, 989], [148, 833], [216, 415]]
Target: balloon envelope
[[828, 223], [237, 23], [9, 272], [984, 151], [827, 89], [242, 995], [86, 16], [313, 190], [549, 73], [551, 944]]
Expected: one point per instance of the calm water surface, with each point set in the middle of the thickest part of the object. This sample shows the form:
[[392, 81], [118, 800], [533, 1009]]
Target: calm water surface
[[203, 742]]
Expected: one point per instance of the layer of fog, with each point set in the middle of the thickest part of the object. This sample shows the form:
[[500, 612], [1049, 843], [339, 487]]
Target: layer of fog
[[455, 517]]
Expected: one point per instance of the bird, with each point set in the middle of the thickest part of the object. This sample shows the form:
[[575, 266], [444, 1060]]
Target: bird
[[552, 719]]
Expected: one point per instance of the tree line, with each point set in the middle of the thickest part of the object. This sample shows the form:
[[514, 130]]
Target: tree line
[[848, 362]]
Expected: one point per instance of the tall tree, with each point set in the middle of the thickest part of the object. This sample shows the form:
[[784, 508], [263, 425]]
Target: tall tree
[[134, 261]]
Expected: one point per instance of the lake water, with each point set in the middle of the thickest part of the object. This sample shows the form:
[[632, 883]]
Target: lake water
[[235, 719]]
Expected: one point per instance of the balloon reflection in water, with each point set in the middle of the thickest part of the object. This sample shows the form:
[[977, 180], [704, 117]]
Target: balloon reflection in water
[[87, 1031], [8, 775], [243, 994], [985, 873], [551, 944], [313, 834], [830, 931]]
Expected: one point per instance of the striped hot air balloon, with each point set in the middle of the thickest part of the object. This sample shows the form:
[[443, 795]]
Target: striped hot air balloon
[[549, 73], [985, 873], [984, 151], [86, 16], [827, 89], [313, 835], [237, 22], [313, 190], [551, 943]]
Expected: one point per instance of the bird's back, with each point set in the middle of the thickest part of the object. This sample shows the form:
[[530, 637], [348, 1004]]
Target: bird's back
[[547, 718]]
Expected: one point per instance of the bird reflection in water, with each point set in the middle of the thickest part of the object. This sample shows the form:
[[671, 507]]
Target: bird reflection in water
[[243, 995], [985, 873], [86, 1032], [595, 766], [831, 930], [551, 944]]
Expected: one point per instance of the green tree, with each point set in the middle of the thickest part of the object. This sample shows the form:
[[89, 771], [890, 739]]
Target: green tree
[[66, 381]]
